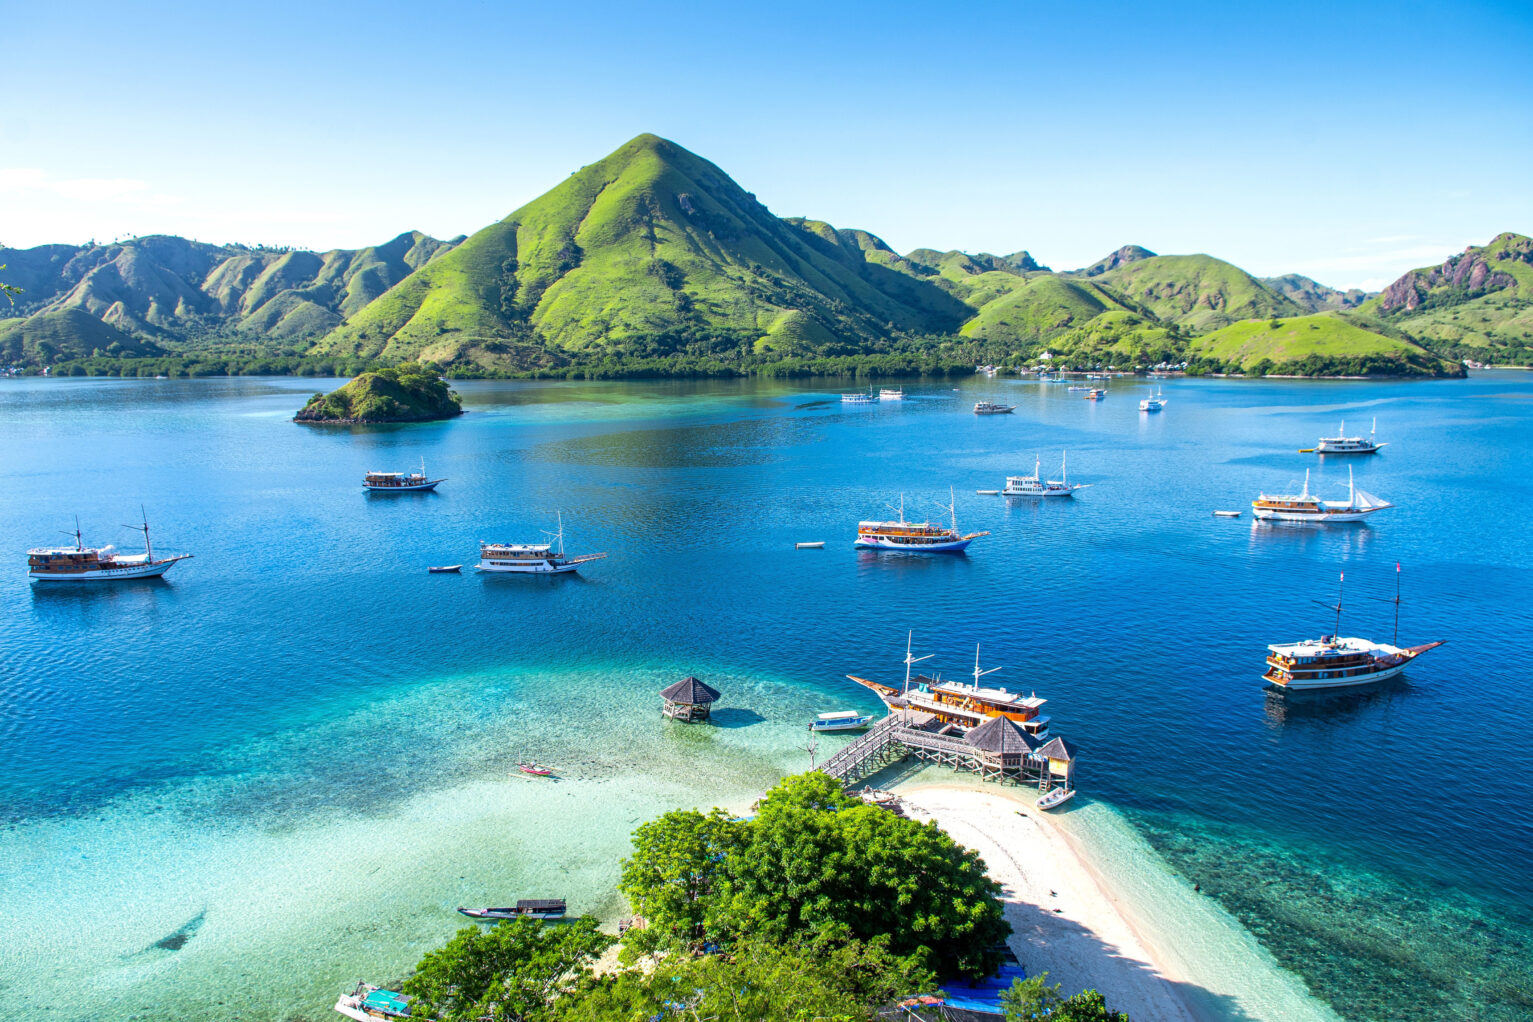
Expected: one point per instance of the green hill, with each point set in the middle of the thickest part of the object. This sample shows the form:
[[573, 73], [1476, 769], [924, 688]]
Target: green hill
[[1123, 256], [171, 293], [650, 252], [1197, 291], [1322, 344], [1039, 309], [404, 393], [1477, 304], [51, 337]]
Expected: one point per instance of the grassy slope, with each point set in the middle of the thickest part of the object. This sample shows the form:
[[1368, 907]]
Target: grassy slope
[[639, 254], [67, 333], [1038, 309], [1325, 334], [1197, 291], [1457, 322]]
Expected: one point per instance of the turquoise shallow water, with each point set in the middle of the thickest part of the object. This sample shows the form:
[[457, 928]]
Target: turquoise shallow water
[[299, 750]]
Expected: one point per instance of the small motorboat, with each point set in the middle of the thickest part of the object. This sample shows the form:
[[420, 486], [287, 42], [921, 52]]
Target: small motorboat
[[841, 720], [444, 569], [1057, 797], [532, 908], [1226, 514], [535, 769], [988, 493], [818, 545], [1095, 394]]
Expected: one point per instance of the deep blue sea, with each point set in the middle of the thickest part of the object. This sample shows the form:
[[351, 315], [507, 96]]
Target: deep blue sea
[[228, 794]]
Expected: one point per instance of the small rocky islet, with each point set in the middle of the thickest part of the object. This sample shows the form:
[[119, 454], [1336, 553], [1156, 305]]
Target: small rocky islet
[[411, 392]]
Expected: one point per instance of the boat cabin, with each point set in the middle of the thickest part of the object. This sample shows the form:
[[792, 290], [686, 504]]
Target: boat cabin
[[689, 700]]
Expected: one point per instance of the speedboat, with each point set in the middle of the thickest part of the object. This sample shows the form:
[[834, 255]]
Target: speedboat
[[841, 720]]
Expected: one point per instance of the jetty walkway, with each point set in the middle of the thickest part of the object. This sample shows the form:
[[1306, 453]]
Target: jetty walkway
[[910, 733]]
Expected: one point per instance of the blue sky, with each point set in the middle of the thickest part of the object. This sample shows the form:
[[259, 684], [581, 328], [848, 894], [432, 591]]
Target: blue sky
[[1345, 141]]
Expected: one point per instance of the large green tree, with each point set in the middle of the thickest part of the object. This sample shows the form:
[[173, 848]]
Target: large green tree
[[511, 972], [675, 873], [827, 979]]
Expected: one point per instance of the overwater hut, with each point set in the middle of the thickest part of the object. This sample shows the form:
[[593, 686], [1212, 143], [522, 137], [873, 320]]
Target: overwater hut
[[689, 700], [1003, 748], [1060, 755]]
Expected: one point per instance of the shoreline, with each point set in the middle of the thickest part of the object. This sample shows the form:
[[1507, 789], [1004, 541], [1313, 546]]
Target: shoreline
[[1093, 906]]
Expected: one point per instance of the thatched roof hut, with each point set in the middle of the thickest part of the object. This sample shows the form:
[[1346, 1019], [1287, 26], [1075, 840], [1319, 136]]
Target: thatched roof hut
[[688, 700], [1061, 757], [1000, 738]]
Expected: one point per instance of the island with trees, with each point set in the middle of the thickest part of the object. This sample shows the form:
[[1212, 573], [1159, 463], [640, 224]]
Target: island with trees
[[412, 392], [820, 907]]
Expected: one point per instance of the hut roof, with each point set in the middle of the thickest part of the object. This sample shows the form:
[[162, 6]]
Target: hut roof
[[1057, 748], [689, 690], [1001, 735]]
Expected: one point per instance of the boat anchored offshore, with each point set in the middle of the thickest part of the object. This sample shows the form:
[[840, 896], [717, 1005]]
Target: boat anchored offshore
[[841, 720], [400, 482], [81, 563], [1305, 507], [1037, 486], [1343, 444], [914, 537], [532, 908], [1333, 661], [859, 398], [1152, 404], [532, 558], [891, 393], [992, 408], [962, 704], [1095, 394]]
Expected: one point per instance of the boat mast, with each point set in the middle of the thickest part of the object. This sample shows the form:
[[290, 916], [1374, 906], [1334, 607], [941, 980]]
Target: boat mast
[[1351, 489], [952, 504], [909, 636], [1305, 494], [148, 550], [978, 674], [1341, 586], [1064, 467], [79, 541], [1396, 643]]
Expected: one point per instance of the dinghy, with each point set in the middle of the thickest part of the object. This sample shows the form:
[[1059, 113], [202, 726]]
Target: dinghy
[[1057, 797]]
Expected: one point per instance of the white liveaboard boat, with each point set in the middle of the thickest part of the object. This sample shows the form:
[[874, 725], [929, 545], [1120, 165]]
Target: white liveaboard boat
[[1334, 661], [1037, 486], [1307, 508], [400, 482], [859, 398], [993, 408], [841, 720], [891, 393], [1154, 403], [81, 563], [915, 537], [533, 558], [1343, 444]]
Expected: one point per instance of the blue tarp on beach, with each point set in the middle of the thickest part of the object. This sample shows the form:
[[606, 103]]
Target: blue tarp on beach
[[387, 1001]]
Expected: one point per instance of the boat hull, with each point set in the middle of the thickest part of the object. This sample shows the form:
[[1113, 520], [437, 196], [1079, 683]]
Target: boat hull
[[1327, 518], [421, 488], [122, 574], [1039, 495], [946, 547], [1307, 684], [531, 568]]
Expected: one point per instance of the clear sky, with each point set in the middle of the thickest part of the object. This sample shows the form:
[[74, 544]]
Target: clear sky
[[1345, 141]]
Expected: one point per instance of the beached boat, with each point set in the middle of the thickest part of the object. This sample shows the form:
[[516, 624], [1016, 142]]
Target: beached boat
[[914, 537], [841, 720], [859, 398], [962, 704], [1307, 508], [535, 769], [445, 569], [1037, 486], [1334, 661], [533, 558], [400, 482], [1056, 797], [367, 1003], [1343, 444], [891, 393], [992, 408], [1095, 394], [531, 908], [81, 563], [1154, 403]]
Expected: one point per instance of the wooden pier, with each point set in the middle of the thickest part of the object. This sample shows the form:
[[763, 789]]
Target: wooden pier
[[907, 733]]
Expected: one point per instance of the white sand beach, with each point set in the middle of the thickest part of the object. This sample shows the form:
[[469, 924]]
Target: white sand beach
[[1063, 921], [1094, 906]]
